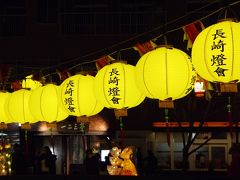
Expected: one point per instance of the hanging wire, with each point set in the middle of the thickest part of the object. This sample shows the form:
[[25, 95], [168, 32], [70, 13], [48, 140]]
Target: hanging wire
[[151, 31], [131, 39], [144, 33]]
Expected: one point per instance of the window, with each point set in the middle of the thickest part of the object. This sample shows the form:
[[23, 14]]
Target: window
[[47, 11], [211, 157], [163, 155], [178, 152], [202, 156], [12, 18], [218, 157]]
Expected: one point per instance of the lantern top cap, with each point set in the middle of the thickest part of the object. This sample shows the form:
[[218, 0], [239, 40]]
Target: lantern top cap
[[119, 61], [52, 83], [3, 91], [86, 73], [228, 19], [168, 46]]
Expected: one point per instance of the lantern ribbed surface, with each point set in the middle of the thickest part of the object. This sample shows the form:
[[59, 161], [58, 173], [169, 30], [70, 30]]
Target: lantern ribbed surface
[[45, 104], [77, 96], [216, 52], [18, 107], [165, 73], [115, 86], [4, 115]]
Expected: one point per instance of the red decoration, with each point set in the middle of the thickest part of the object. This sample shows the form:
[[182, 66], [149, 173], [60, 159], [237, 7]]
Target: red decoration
[[37, 77], [191, 31], [103, 61], [63, 74], [4, 71], [145, 47], [16, 85]]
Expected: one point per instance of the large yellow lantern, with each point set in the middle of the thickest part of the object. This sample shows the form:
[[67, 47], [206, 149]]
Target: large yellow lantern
[[115, 86], [18, 107], [4, 115], [77, 96], [216, 52], [45, 104], [165, 73]]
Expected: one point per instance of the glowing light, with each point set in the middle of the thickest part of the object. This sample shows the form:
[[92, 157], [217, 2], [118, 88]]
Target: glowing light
[[215, 52], [45, 104], [18, 107], [77, 96], [165, 73], [115, 86], [4, 114]]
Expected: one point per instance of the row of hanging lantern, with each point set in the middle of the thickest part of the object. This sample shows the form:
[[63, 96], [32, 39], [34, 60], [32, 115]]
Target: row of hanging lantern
[[115, 86], [163, 73], [50, 102]]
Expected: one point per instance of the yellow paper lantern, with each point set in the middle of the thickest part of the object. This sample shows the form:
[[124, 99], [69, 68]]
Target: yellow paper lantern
[[216, 52], [4, 115], [77, 96], [165, 73], [29, 83], [45, 104], [115, 86], [18, 107]]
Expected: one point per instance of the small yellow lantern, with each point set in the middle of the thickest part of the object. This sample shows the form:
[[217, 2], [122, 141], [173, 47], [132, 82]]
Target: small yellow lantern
[[18, 107], [215, 52], [44, 104], [165, 73], [4, 116], [77, 96], [29, 83], [115, 86]]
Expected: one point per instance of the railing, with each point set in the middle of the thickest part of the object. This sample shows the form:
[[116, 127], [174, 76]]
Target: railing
[[108, 23], [12, 25], [89, 23]]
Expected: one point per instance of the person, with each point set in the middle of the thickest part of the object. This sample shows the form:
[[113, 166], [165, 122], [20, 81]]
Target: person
[[107, 160], [36, 162], [150, 163], [139, 158], [96, 168], [47, 161], [234, 168], [92, 163], [18, 164]]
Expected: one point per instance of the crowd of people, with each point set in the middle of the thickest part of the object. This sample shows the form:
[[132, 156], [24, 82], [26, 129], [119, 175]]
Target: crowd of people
[[92, 163], [44, 162]]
